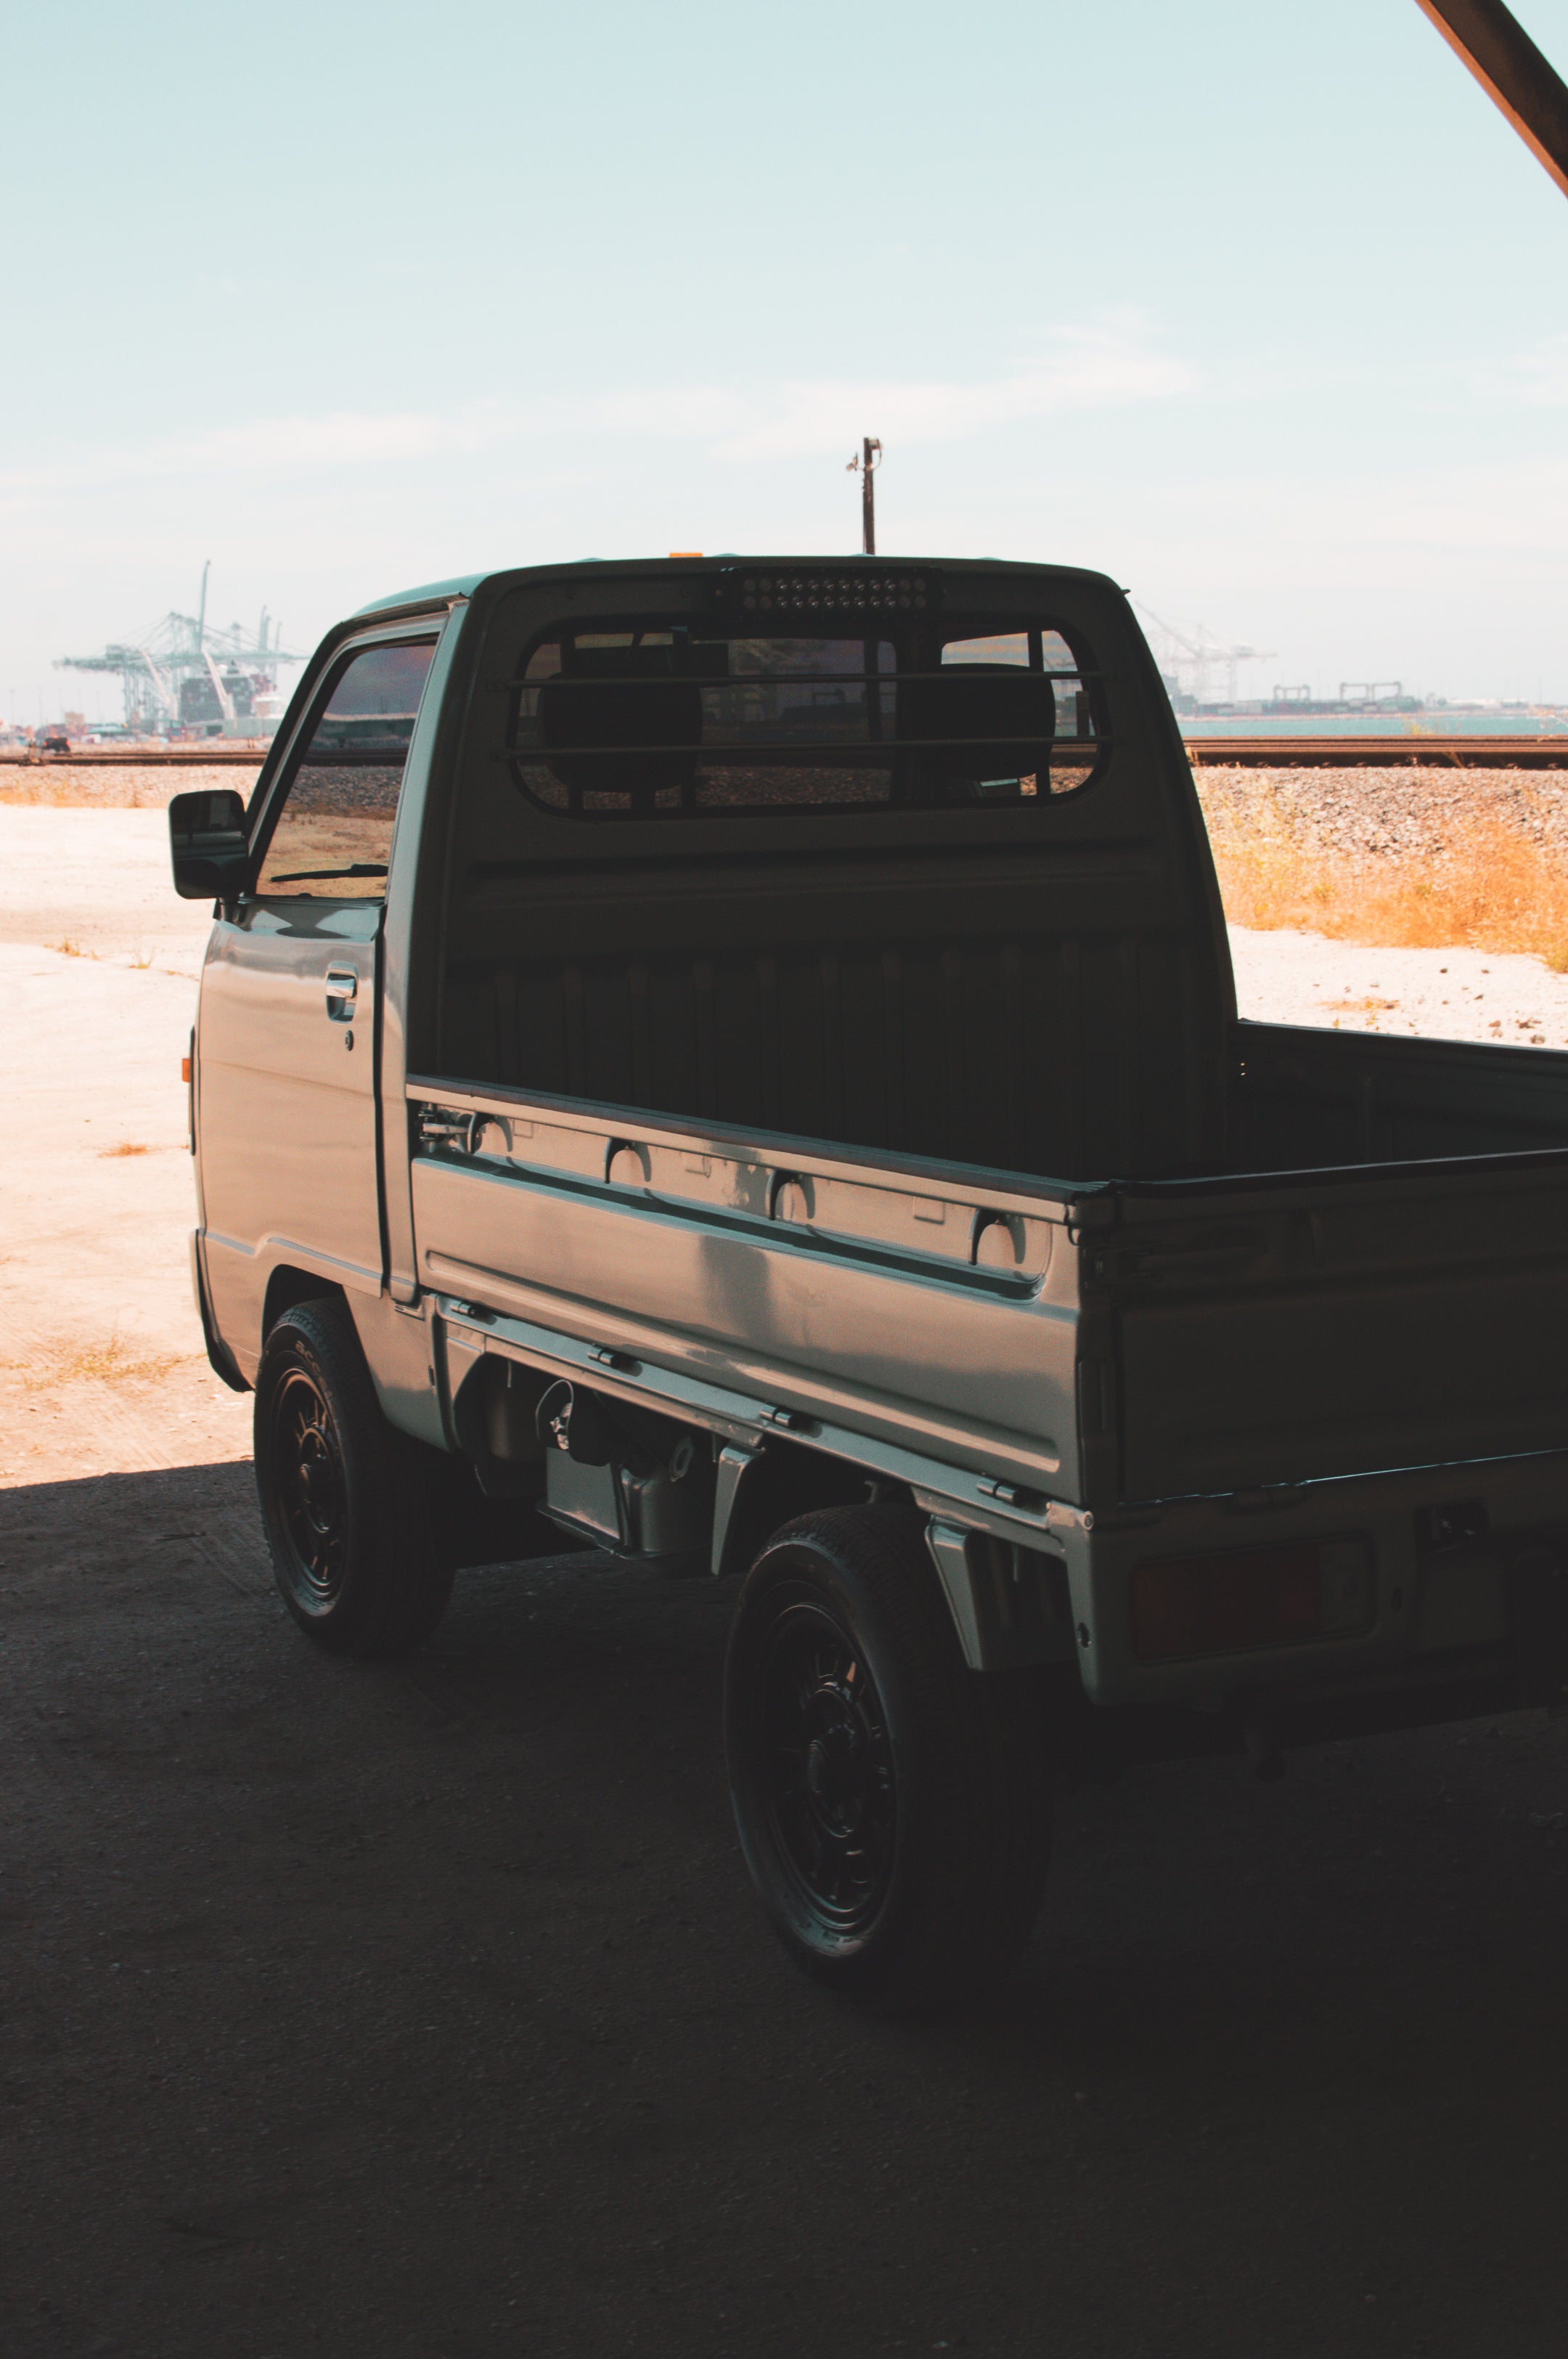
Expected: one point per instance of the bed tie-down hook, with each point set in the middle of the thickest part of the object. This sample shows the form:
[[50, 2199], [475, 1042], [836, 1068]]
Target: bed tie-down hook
[[437, 1128]]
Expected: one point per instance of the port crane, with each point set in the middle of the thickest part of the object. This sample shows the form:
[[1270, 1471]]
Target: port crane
[[184, 672], [1191, 657]]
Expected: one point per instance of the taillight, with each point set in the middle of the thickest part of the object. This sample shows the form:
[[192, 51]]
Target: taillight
[[1229, 1601]]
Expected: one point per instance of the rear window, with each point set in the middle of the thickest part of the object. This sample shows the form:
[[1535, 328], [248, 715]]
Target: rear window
[[630, 721]]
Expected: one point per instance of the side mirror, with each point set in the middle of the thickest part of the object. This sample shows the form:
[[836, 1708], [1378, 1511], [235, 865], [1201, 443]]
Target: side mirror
[[207, 844]]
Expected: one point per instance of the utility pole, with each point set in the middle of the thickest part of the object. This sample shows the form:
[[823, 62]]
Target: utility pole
[[865, 466]]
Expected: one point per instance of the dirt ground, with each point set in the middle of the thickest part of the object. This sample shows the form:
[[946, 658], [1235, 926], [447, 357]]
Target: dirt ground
[[118, 786], [421, 2011], [101, 1363]]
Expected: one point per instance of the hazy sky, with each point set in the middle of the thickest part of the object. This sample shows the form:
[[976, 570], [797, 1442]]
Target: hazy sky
[[1261, 308]]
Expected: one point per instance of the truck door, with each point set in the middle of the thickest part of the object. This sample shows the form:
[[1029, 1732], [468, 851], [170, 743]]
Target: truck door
[[288, 1037]]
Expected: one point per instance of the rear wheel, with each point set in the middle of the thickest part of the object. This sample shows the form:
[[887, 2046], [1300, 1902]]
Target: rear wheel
[[345, 1497], [893, 1805]]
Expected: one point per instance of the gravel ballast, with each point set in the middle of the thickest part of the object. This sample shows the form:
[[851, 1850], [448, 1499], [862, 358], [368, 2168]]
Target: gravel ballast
[[1366, 816], [117, 785]]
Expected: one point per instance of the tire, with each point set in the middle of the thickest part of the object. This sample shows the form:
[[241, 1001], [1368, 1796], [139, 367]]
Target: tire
[[345, 1497], [894, 1806]]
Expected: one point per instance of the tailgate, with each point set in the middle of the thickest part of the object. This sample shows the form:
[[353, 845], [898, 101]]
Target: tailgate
[[1284, 1330]]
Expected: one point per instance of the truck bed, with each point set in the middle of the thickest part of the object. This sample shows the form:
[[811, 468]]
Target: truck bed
[[1101, 1340], [1386, 1287]]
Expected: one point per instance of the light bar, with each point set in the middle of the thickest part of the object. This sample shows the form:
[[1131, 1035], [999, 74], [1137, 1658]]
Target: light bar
[[877, 593]]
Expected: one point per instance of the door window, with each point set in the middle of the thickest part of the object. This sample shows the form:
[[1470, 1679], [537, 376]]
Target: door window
[[332, 838]]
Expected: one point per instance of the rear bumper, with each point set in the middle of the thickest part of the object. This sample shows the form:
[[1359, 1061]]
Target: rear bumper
[[1488, 1610]]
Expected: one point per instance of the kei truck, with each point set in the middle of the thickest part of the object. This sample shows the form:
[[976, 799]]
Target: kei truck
[[735, 1064]]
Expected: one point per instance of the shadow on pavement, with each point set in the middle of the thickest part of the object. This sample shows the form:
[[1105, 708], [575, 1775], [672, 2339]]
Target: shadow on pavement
[[422, 2008]]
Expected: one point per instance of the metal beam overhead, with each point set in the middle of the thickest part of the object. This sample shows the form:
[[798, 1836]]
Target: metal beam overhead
[[1511, 71]]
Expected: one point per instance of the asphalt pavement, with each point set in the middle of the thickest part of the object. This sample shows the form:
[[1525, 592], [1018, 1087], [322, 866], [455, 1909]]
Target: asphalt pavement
[[424, 2010]]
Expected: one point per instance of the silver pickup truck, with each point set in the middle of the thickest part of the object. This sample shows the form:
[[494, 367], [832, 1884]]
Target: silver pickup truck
[[736, 1064]]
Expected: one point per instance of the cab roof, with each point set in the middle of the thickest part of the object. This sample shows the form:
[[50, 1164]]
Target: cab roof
[[426, 593], [463, 585]]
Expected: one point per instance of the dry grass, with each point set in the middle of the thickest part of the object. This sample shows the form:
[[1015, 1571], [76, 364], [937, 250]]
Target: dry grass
[[109, 1362], [1491, 888], [127, 1147], [112, 1363]]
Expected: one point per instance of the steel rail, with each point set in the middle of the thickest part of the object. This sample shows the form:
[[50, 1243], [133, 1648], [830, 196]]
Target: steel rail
[[1380, 752], [95, 758], [1281, 753]]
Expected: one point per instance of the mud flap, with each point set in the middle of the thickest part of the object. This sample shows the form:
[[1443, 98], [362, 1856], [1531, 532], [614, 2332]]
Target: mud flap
[[1538, 1616], [217, 1356]]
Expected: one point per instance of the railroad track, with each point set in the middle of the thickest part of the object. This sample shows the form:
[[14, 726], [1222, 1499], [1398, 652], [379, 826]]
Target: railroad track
[[1380, 753], [1250, 753], [104, 757]]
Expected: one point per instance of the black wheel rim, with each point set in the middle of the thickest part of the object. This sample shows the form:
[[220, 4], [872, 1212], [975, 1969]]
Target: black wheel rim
[[311, 1491], [828, 1771]]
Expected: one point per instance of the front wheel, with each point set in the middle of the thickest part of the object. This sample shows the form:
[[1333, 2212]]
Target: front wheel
[[345, 1497], [893, 1805]]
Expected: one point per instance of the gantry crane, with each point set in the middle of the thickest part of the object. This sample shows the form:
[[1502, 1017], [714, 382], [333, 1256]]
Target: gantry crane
[[183, 672]]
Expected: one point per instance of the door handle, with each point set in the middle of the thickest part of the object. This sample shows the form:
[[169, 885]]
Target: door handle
[[342, 983]]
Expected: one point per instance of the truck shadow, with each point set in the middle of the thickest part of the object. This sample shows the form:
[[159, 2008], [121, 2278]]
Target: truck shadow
[[350, 1956]]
